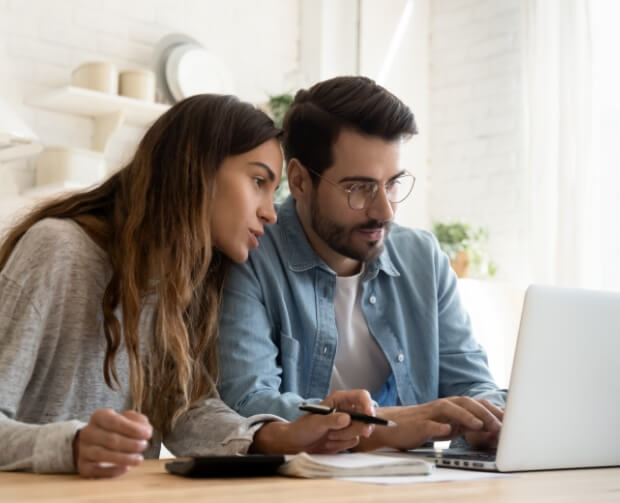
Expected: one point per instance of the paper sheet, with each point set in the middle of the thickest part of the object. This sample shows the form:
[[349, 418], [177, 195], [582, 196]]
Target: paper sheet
[[440, 475]]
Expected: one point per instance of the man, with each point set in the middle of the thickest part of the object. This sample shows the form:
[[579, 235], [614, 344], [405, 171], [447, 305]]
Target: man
[[339, 297]]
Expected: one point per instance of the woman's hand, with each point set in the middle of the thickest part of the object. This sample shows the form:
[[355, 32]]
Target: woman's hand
[[110, 443], [315, 433]]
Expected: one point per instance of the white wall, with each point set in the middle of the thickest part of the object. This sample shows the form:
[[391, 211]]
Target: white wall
[[395, 52], [476, 172], [388, 42], [41, 41], [328, 34]]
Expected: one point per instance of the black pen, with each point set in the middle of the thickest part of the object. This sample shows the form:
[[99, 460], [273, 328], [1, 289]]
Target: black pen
[[355, 416]]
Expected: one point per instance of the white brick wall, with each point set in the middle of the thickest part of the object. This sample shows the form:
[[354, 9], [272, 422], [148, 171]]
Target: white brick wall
[[41, 41], [475, 138]]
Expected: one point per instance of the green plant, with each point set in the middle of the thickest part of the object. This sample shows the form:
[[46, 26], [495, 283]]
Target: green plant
[[278, 106], [459, 236]]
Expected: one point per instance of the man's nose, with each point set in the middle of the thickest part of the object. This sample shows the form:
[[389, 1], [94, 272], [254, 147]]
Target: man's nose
[[380, 207]]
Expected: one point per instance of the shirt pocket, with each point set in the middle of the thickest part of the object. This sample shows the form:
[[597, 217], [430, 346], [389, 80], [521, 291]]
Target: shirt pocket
[[289, 361]]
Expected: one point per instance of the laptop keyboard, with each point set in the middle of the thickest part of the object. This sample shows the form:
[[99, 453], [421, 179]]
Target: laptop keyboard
[[476, 456]]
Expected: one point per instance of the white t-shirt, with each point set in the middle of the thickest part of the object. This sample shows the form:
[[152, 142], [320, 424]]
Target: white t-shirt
[[360, 362]]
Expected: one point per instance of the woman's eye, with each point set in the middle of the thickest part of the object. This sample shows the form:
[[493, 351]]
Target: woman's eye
[[259, 181]]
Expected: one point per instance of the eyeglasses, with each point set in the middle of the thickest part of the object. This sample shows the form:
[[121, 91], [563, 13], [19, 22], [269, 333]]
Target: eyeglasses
[[362, 194]]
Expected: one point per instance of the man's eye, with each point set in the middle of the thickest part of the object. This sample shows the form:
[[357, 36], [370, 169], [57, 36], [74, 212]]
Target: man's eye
[[393, 183], [362, 188]]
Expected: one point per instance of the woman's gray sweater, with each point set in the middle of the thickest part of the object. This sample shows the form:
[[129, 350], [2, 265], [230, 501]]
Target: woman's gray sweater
[[52, 351]]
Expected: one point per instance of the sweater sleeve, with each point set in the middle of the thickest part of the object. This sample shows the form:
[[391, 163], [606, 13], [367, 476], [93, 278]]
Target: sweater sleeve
[[211, 428], [39, 448]]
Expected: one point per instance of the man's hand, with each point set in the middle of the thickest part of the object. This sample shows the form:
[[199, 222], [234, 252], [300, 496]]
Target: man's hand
[[110, 443], [486, 439], [443, 419], [315, 433]]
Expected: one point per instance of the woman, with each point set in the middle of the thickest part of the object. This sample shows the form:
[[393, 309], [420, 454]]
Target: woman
[[109, 300]]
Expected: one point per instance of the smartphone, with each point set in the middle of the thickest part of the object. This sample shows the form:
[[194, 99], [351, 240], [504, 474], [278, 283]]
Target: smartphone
[[250, 465]]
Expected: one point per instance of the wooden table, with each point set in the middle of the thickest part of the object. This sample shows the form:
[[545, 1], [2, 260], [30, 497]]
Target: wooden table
[[150, 483]]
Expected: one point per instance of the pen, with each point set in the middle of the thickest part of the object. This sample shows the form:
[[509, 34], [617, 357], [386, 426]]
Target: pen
[[355, 416]]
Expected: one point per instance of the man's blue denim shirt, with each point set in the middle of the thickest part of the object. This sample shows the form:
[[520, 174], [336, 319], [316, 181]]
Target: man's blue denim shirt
[[278, 330]]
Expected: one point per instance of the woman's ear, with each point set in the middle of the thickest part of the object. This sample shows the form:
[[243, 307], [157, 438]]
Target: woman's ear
[[299, 180]]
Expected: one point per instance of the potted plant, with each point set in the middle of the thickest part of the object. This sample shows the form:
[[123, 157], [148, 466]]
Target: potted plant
[[466, 248], [277, 107]]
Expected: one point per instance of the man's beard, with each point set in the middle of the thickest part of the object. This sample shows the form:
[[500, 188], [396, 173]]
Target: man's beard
[[339, 238]]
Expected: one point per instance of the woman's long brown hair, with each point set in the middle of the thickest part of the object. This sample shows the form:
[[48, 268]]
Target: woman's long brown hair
[[152, 217]]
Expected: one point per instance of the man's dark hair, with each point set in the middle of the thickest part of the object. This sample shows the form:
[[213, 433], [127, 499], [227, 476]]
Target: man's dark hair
[[317, 115]]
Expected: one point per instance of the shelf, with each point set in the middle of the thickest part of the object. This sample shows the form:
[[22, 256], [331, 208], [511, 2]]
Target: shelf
[[87, 103], [12, 148], [107, 110]]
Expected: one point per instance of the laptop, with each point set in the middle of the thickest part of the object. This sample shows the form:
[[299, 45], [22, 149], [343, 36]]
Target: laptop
[[563, 405]]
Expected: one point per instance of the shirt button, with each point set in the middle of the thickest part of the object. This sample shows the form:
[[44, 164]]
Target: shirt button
[[324, 350], [372, 299], [401, 358]]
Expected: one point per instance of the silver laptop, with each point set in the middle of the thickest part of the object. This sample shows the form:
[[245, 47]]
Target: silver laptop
[[563, 406]]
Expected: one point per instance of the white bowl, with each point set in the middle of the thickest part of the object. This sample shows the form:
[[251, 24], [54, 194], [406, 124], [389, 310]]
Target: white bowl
[[67, 165], [96, 75], [192, 69], [161, 52]]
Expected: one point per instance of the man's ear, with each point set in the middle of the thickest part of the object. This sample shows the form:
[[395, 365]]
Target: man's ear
[[299, 180]]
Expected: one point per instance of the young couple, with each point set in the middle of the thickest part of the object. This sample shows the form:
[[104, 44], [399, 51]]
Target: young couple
[[110, 298]]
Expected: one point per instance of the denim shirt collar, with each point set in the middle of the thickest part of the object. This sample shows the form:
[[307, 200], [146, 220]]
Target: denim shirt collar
[[301, 256]]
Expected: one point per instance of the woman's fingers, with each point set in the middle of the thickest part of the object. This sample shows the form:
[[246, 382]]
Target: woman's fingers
[[98, 454], [109, 420], [338, 446], [357, 400], [339, 426], [350, 401], [330, 433], [111, 442], [136, 416], [357, 429]]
